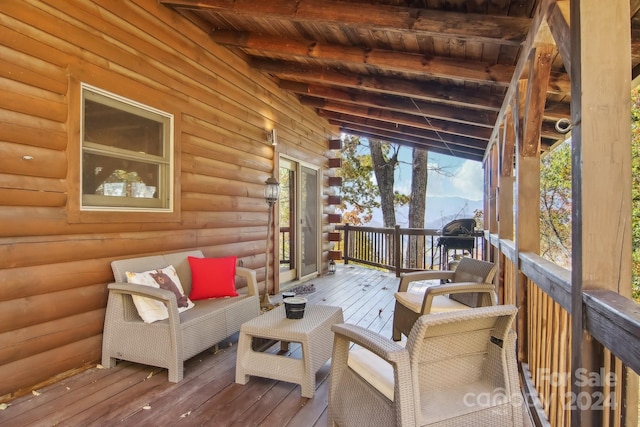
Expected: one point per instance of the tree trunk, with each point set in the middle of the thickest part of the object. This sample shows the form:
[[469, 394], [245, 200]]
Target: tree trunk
[[417, 207], [384, 172]]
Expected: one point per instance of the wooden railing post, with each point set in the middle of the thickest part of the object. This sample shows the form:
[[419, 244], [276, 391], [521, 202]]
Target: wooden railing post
[[345, 249], [397, 250]]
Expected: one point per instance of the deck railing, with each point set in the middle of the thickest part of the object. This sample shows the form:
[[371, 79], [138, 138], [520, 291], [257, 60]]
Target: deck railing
[[542, 291], [400, 249]]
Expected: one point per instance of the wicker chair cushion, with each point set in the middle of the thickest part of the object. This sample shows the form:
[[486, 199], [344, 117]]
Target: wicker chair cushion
[[373, 369], [151, 310], [440, 303]]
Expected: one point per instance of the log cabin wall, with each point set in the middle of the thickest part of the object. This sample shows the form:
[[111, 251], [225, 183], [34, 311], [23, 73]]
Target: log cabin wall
[[55, 261]]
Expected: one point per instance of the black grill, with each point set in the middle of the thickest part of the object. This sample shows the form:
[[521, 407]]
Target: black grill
[[456, 235]]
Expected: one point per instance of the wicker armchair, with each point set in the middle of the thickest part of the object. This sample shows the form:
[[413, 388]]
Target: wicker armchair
[[468, 286], [458, 368]]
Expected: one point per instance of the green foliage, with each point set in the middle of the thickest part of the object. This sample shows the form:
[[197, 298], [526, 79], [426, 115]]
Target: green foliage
[[555, 205], [360, 193], [555, 182]]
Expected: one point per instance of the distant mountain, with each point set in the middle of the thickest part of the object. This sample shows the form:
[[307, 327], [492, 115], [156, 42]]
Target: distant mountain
[[440, 210]]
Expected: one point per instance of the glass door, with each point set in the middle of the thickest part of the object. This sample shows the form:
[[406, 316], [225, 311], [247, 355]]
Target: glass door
[[309, 215], [287, 217], [298, 220]]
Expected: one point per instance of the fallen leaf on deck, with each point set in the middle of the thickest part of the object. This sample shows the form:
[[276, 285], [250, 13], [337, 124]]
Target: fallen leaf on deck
[[185, 414], [99, 366], [150, 375], [4, 406], [35, 393], [146, 407]]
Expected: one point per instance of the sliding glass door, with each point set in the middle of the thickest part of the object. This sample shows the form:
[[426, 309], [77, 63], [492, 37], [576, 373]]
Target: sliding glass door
[[299, 216], [309, 224]]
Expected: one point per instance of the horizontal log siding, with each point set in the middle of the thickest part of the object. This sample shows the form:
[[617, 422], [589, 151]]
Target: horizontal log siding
[[54, 268]]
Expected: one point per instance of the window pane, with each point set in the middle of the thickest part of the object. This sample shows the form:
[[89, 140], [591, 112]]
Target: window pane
[[126, 154], [112, 127], [110, 176]]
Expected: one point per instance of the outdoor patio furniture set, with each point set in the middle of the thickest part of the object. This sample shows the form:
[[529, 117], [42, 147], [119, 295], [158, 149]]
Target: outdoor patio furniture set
[[457, 366]]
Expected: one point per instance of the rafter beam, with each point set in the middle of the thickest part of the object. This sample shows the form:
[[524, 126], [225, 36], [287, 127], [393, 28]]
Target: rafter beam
[[557, 111], [424, 90], [421, 22], [558, 22], [404, 139], [477, 144], [396, 118], [435, 66], [394, 103]]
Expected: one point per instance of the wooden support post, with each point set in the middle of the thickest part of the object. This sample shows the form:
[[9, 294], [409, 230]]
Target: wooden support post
[[601, 174], [527, 234], [506, 179], [505, 202], [529, 116], [493, 188], [345, 248], [397, 250]]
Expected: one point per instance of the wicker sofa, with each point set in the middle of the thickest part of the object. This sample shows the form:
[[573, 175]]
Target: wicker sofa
[[168, 343]]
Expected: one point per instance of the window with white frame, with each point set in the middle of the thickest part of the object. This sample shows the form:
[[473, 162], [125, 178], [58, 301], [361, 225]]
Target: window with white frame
[[127, 154]]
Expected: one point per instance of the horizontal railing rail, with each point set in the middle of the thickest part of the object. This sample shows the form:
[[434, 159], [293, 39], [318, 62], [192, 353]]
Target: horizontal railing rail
[[403, 249]]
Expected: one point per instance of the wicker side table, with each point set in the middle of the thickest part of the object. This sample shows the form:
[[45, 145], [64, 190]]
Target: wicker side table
[[313, 332]]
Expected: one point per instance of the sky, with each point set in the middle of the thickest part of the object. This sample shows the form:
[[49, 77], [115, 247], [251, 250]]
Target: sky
[[465, 177]]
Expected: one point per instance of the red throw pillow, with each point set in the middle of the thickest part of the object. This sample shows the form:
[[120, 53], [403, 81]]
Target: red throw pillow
[[212, 277]]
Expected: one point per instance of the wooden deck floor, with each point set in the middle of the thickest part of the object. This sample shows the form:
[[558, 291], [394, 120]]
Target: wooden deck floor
[[138, 395]]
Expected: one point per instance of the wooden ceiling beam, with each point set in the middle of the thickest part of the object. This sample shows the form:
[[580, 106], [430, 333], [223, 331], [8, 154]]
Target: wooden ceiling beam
[[463, 141], [412, 141], [394, 103], [434, 66], [507, 30], [424, 90], [558, 22], [536, 93], [396, 118], [540, 16], [557, 111]]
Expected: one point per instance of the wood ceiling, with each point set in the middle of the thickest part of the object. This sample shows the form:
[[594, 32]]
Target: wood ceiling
[[426, 73]]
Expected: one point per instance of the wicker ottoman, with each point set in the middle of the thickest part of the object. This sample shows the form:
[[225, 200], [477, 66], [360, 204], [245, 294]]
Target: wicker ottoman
[[313, 332]]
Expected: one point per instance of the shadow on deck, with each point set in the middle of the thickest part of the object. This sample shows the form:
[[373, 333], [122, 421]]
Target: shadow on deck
[[133, 394]]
